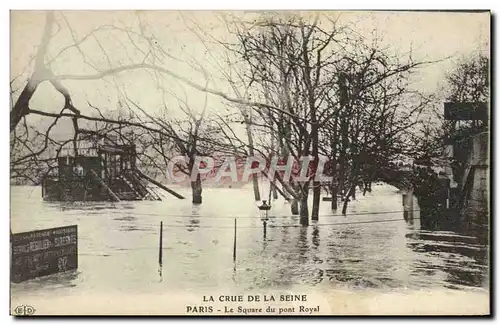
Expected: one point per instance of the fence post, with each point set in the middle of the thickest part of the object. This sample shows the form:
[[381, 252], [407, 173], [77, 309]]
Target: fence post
[[234, 244], [160, 253]]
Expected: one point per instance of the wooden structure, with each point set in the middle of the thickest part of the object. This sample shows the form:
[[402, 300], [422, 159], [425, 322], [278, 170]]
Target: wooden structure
[[98, 169]]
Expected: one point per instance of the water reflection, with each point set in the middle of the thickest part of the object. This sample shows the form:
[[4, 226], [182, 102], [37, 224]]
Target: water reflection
[[315, 237], [64, 281], [91, 206], [361, 258], [462, 258], [264, 230]]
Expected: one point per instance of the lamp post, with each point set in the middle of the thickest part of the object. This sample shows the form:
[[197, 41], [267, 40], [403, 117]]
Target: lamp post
[[264, 211]]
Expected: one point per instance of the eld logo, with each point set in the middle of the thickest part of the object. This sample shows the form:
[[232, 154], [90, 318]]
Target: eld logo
[[24, 310]]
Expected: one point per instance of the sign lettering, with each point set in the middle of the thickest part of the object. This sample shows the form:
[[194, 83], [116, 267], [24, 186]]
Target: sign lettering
[[44, 252]]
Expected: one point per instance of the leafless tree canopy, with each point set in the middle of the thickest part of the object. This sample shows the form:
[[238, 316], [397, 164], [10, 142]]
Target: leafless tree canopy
[[297, 85]]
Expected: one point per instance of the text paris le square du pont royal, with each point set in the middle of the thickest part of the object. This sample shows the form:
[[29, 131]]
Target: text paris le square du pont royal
[[207, 308]]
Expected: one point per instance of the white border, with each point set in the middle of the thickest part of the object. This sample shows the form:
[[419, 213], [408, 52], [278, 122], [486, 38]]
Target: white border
[[255, 4], [185, 4]]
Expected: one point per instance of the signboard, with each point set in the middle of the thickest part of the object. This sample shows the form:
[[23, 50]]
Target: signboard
[[43, 252], [465, 111]]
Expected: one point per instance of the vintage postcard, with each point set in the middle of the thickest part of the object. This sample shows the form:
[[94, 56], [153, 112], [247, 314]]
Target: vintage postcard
[[242, 163]]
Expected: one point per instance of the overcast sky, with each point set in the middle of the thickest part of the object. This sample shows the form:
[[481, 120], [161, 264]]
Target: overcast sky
[[430, 35]]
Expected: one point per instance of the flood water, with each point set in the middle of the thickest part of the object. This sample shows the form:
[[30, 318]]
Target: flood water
[[372, 248]]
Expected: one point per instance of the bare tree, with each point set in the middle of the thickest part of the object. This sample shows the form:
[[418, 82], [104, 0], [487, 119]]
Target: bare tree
[[312, 88], [316, 72], [144, 53]]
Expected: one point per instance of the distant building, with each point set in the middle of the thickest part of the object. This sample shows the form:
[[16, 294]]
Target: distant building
[[467, 151]]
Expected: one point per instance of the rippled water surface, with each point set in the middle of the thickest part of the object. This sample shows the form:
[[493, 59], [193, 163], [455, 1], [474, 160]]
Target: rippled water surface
[[372, 248]]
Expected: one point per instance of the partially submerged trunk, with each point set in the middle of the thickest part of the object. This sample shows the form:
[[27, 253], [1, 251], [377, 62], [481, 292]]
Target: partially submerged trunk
[[304, 211], [256, 192], [347, 199], [316, 200], [294, 207], [334, 196], [196, 189], [316, 184], [333, 167], [367, 187]]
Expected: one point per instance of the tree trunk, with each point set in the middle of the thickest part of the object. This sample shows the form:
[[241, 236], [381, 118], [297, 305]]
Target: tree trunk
[[316, 184], [333, 166], [275, 191], [367, 186], [341, 183], [196, 189], [256, 192], [304, 211], [295, 207], [346, 200], [334, 197], [21, 107], [344, 135], [316, 200], [344, 207], [315, 154], [248, 123]]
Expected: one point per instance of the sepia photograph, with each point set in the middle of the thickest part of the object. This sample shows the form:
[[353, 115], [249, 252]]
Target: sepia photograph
[[250, 163]]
